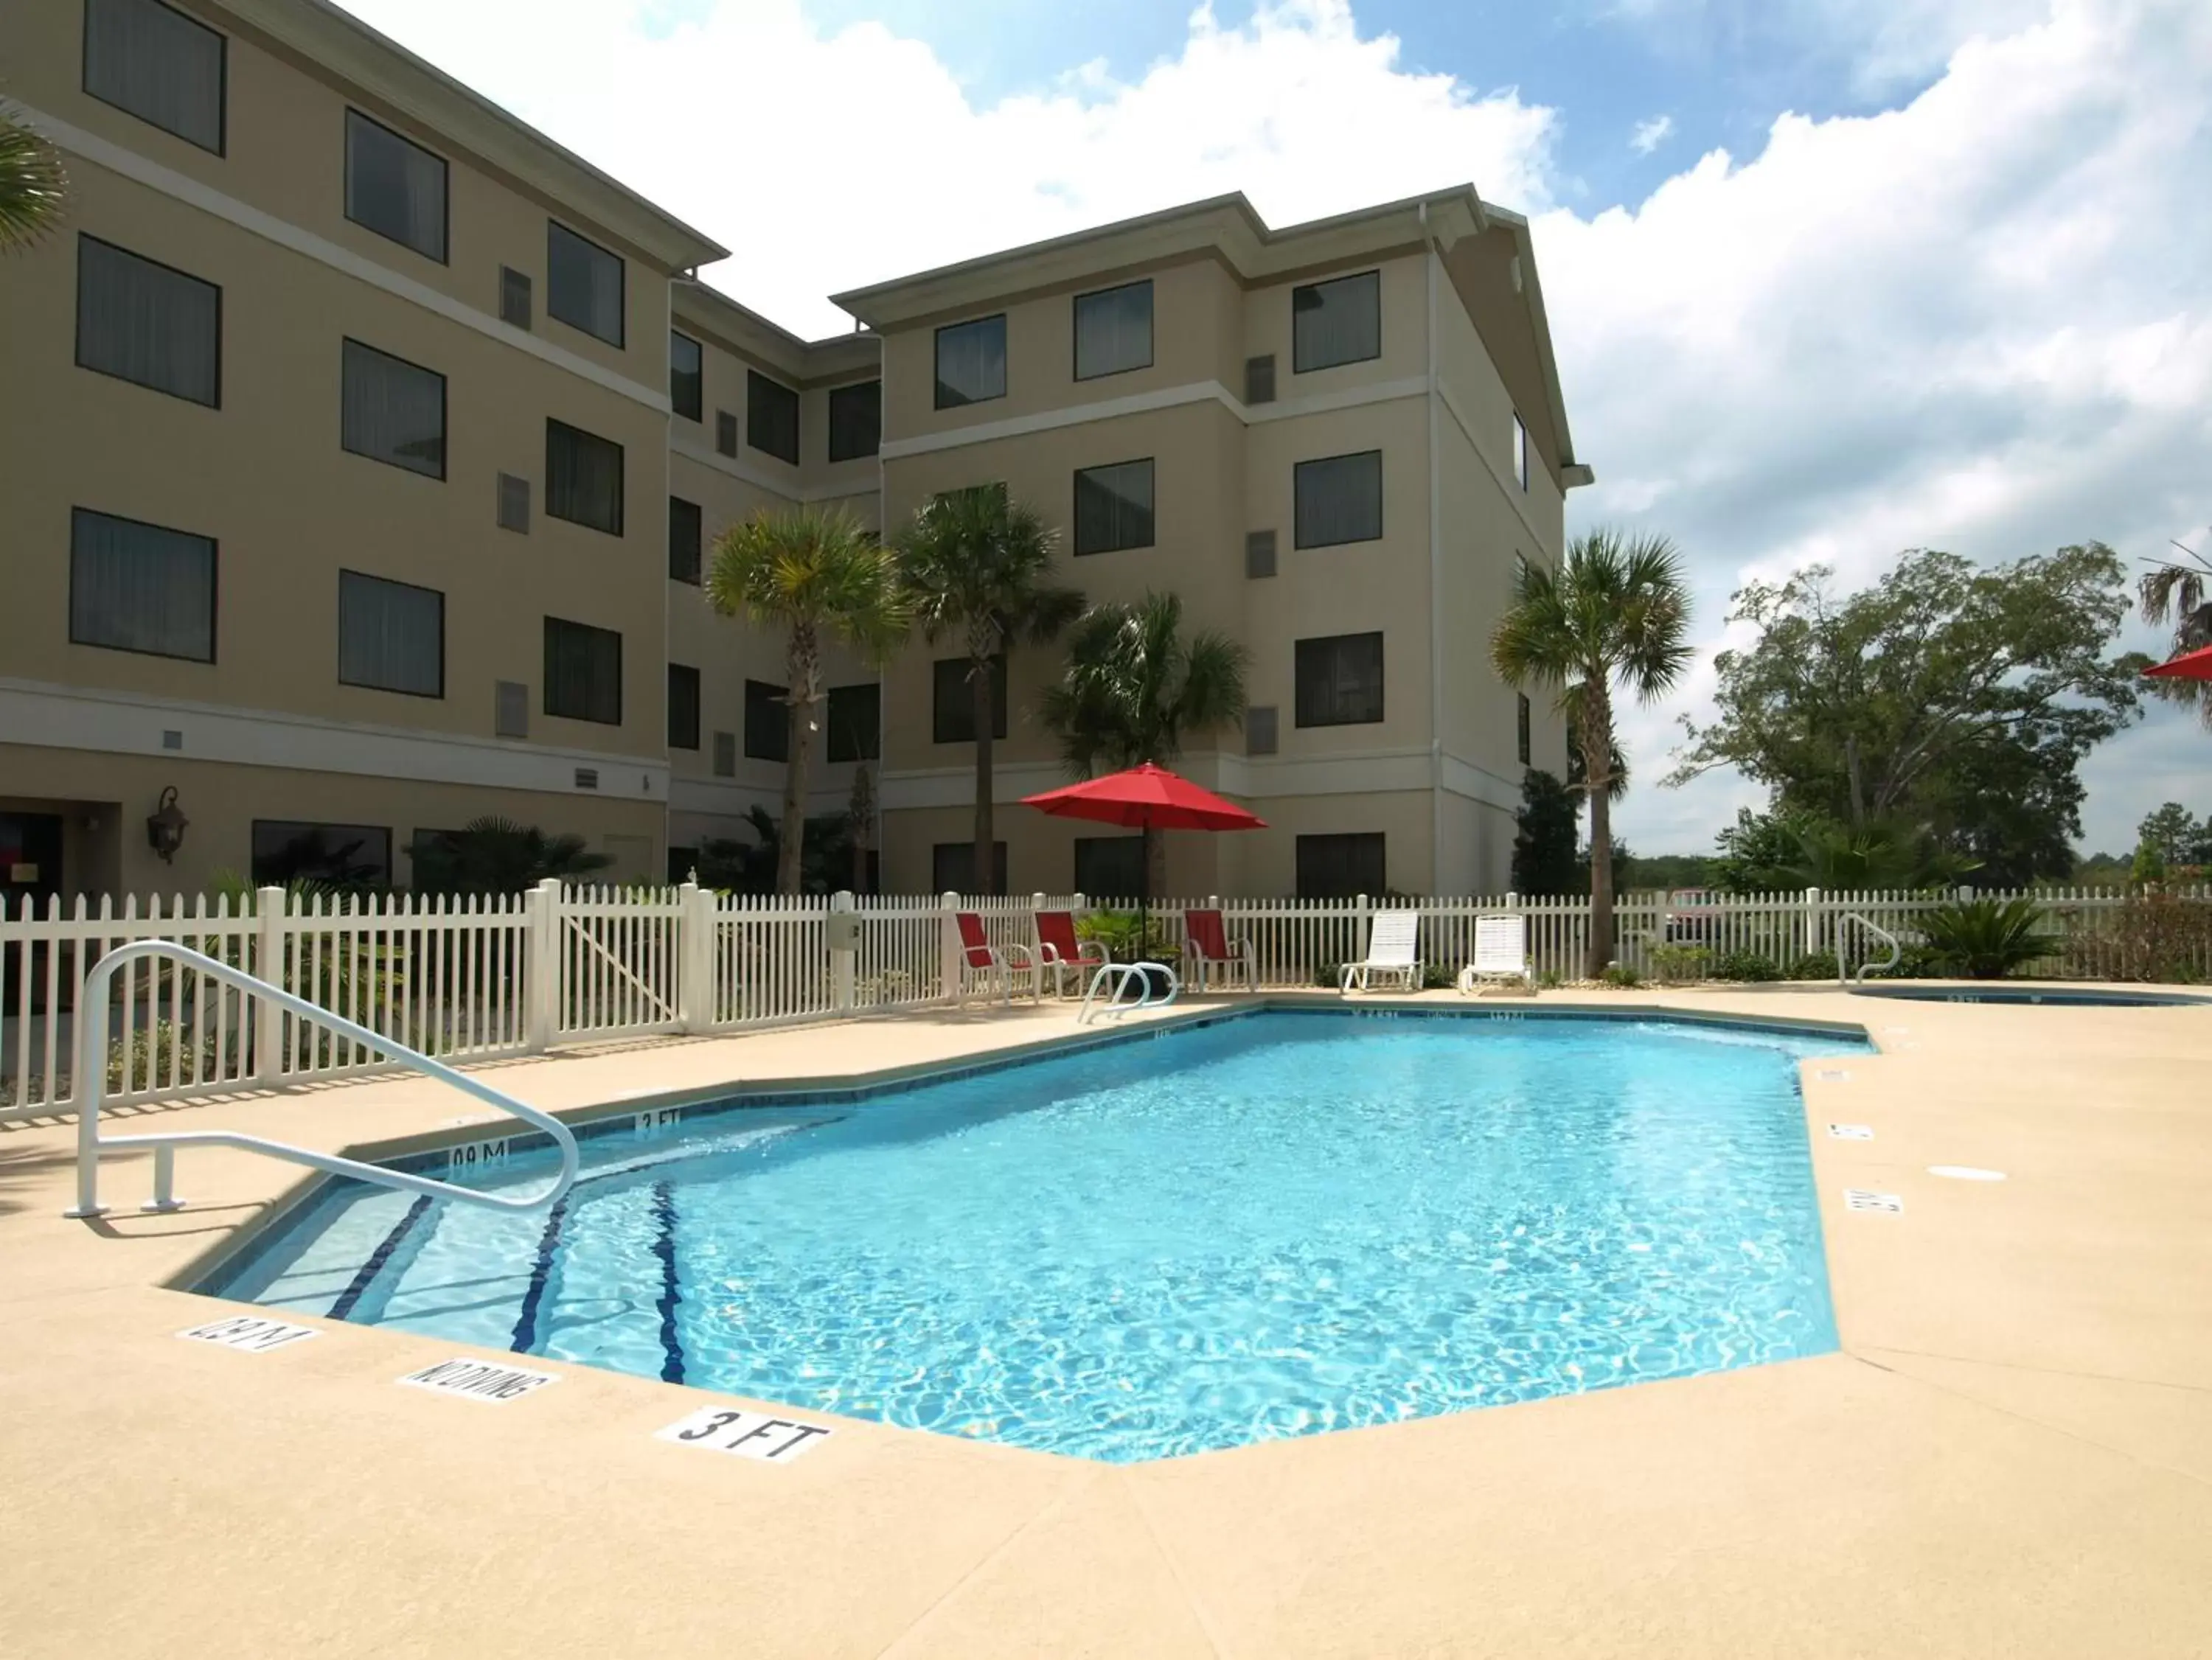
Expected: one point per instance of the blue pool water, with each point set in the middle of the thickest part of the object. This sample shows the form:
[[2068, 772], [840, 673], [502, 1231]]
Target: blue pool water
[[1266, 1227]]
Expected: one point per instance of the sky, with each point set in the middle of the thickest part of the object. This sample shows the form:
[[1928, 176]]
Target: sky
[[1827, 279]]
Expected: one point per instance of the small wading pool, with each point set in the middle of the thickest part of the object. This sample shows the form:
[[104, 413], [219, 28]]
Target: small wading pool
[[1267, 1226], [2030, 994]]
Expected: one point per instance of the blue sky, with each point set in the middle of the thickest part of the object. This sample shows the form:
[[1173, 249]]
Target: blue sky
[[1880, 274]]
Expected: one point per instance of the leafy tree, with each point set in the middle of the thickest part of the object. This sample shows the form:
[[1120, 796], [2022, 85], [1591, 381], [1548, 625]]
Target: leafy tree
[[2175, 592], [2149, 864], [733, 866], [975, 567], [2179, 838], [1661, 872], [1947, 696], [1135, 689], [33, 186], [1546, 829], [1614, 613], [496, 855], [812, 574]]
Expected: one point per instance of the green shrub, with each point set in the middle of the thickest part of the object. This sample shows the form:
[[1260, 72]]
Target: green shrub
[[1119, 932], [146, 1065], [2152, 936], [1435, 976], [1747, 965], [1814, 966], [1676, 965], [1986, 939], [1622, 975], [1548, 980]]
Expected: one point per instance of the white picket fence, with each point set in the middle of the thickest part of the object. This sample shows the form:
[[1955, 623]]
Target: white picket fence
[[522, 974]]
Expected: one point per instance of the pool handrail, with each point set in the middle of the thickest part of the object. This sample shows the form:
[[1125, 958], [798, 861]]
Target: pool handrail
[[1896, 949], [92, 1078], [1121, 974]]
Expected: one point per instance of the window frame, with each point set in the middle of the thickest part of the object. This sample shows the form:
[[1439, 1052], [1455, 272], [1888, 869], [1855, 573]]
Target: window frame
[[1381, 886], [697, 412], [848, 388], [621, 341], [1075, 330], [84, 237], [937, 361], [677, 674], [622, 479], [545, 696], [445, 254], [214, 589], [1077, 547], [698, 548], [861, 753], [445, 422], [253, 863], [1298, 472], [1298, 365], [1298, 720], [756, 399], [763, 693], [345, 571], [221, 146]]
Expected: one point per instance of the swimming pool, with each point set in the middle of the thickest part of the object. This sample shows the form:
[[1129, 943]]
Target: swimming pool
[[1268, 1226]]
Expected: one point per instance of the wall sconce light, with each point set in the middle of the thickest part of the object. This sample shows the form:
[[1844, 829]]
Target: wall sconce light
[[164, 826]]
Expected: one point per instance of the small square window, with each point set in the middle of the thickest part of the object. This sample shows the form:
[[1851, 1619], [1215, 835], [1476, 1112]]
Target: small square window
[[513, 503], [514, 297], [1259, 379], [510, 713], [725, 433], [1260, 729], [1114, 330], [726, 755], [1336, 322], [971, 361], [771, 417], [1259, 553]]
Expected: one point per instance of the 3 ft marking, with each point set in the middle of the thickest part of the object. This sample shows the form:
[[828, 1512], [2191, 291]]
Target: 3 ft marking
[[753, 1435], [475, 1156], [250, 1332], [479, 1380], [1886, 1204], [653, 1121], [1852, 1132]]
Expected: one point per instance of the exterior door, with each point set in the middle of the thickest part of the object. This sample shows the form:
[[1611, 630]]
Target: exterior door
[[30, 873]]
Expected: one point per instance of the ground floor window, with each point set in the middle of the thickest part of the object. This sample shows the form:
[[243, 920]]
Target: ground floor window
[[1340, 867], [952, 868], [286, 850], [1109, 867]]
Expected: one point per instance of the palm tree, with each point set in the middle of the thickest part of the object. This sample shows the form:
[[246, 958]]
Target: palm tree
[[1615, 613], [496, 855], [32, 184], [1135, 688], [812, 574], [975, 567], [2176, 593]]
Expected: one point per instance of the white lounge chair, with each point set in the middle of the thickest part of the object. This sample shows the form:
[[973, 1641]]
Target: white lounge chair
[[1391, 939], [1501, 953]]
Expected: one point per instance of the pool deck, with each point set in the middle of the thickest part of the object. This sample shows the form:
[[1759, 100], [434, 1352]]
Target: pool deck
[[2011, 1455]]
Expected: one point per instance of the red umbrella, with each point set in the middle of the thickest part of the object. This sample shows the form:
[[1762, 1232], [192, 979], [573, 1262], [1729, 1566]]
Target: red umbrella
[[2190, 665], [1146, 797]]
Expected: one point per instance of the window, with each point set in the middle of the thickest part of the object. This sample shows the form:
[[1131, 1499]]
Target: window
[[1339, 500], [159, 64], [856, 723], [1113, 507], [686, 376], [952, 868], [583, 284], [1339, 681], [394, 411], [513, 503], [338, 855], [1259, 555], [136, 587], [1114, 330], [683, 539], [952, 702], [683, 865], [583, 478], [1109, 867], [510, 709], [768, 721], [771, 417], [725, 432], [1520, 453], [1521, 722], [856, 420], [395, 187], [726, 755], [1520, 576], [1261, 721], [1340, 867], [147, 324], [514, 297], [391, 636], [682, 706], [583, 672], [1338, 322], [971, 361], [1259, 379]]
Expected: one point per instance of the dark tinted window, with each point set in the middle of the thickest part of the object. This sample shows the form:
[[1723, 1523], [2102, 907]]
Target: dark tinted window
[[394, 186], [682, 708], [136, 587], [145, 322], [1339, 681], [684, 537], [1336, 322], [952, 868], [335, 854], [953, 707], [514, 300], [1114, 330], [161, 65], [856, 421], [1520, 725], [768, 721], [971, 362], [583, 478], [771, 417], [686, 377], [1340, 867], [856, 723], [583, 672], [1339, 500], [1109, 867], [394, 411], [1113, 507], [725, 432], [392, 635], [583, 284]]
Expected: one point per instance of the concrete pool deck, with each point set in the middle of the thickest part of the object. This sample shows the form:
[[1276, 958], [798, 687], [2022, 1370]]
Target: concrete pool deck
[[2011, 1454]]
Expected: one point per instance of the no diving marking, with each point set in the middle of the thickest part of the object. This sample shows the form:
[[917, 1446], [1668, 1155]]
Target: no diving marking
[[475, 1156], [249, 1332], [479, 1380], [754, 1435]]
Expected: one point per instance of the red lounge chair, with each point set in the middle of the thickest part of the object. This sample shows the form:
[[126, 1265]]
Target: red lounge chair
[[981, 962], [1208, 952], [1060, 954]]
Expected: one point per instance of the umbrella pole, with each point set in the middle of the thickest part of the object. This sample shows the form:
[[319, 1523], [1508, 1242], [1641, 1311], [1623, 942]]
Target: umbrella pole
[[1145, 894]]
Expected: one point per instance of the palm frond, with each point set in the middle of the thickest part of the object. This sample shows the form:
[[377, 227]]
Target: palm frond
[[33, 187]]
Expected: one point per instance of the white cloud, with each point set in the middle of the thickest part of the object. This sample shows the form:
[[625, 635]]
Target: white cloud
[[1981, 321], [1648, 136]]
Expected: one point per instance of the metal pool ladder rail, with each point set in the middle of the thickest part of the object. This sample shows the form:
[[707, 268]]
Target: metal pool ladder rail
[[1896, 950], [92, 1079], [1123, 975]]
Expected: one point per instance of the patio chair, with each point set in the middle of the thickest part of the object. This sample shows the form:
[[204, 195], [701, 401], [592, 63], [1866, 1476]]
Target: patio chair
[[981, 962], [1060, 954], [1501, 953], [1392, 939], [1208, 952]]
